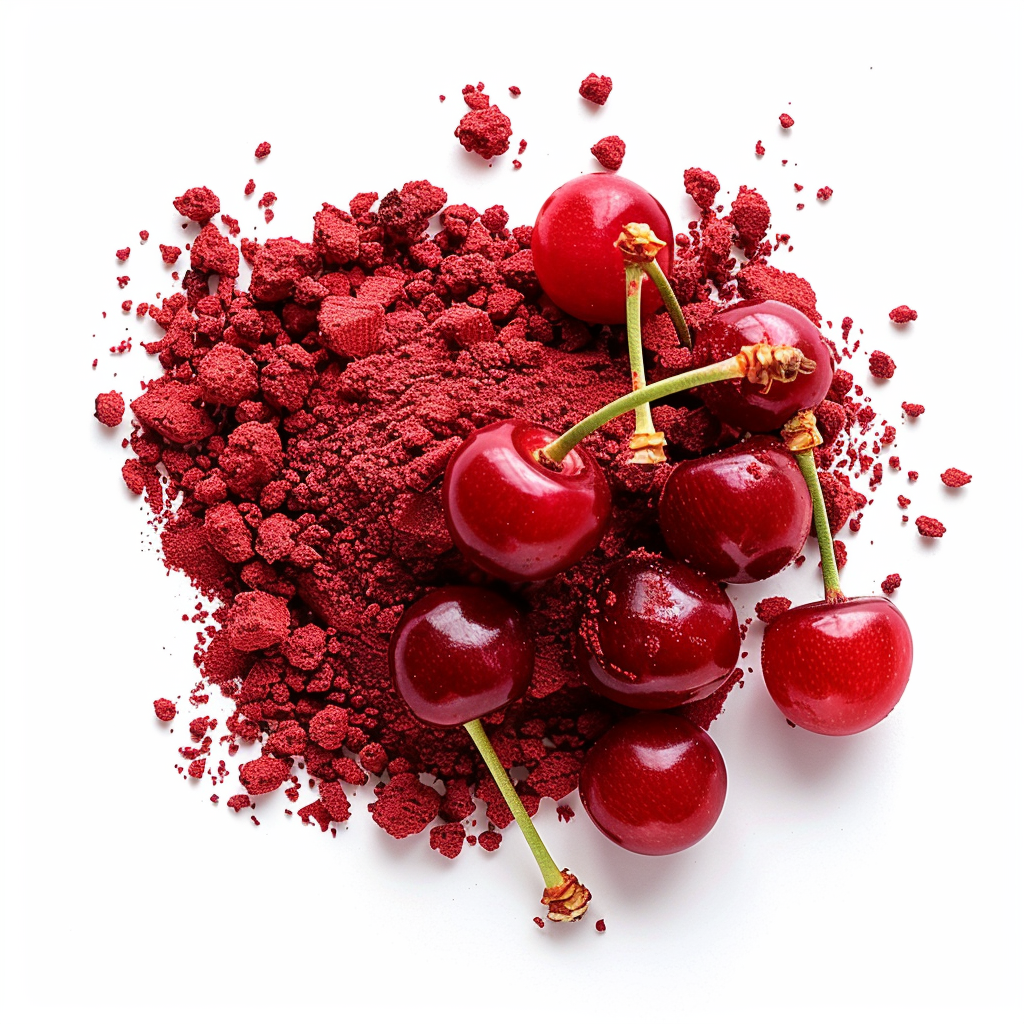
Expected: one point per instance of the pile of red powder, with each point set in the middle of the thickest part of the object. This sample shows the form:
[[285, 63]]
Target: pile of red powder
[[292, 450]]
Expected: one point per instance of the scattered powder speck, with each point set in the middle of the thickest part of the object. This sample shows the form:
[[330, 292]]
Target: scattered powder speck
[[929, 527], [955, 478], [600, 925], [786, 121], [759, 149], [609, 152], [902, 315], [539, 922], [515, 90], [596, 88]]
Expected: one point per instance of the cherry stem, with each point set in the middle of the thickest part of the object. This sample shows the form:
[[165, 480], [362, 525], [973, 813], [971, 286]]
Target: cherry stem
[[829, 570], [548, 868], [657, 275], [727, 369], [634, 278]]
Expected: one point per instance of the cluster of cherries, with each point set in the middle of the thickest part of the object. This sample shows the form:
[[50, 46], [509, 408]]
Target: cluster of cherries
[[524, 504]]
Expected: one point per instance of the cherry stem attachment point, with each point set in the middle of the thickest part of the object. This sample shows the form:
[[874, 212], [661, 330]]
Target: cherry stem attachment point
[[801, 436], [754, 362], [564, 895]]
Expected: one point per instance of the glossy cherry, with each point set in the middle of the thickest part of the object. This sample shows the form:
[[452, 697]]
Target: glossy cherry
[[655, 635], [460, 653], [741, 403], [516, 518], [737, 515], [654, 784], [838, 669], [574, 252]]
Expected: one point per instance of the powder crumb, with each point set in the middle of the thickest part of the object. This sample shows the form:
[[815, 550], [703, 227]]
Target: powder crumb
[[797, 188], [197, 767], [198, 204], [539, 922], [929, 527], [565, 812], [912, 409], [144, 235], [250, 187], [955, 478], [609, 152], [441, 97], [759, 149], [824, 194], [882, 366], [596, 88], [517, 164], [164, 709], [912, 475], [903, 501], [891, 583], [600, 925], [701, 186], [490, 841], [514, 90], [169, 254], [771, 608], [522, 146], [110, 409], [123, 254], [448, 838], [786, 121], [262, 150], [238, 802], [485, 132], [902, 315]]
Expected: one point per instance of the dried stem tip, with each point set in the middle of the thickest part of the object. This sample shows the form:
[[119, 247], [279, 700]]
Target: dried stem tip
[[648, 449], [568, 901], [639, 244], [801, 432], [763, 363]]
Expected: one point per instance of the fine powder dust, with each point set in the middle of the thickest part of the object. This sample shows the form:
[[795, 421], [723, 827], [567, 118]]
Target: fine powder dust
[[292, 449]]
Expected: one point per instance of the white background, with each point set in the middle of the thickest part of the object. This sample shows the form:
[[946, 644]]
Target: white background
[[875, 877]]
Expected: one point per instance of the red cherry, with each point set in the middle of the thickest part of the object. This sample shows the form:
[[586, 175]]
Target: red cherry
[[656, 635], [460, 653], [738, 515], [654, 784], [512, 516], [574, 252], [838, 669], [741, 403]]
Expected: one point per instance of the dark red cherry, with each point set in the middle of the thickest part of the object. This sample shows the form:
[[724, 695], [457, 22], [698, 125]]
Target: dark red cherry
[[737, 515], [838, 669], [655, 635], [740, 403], [574, 251], [458, 654], [512, 516], [654, 784]]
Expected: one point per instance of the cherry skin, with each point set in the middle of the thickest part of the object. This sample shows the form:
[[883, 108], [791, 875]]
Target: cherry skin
[[458, 654], [654, 784], [737, 515], [838, 669], [655, 635], [515, 518], [741, 403], [574, 252]]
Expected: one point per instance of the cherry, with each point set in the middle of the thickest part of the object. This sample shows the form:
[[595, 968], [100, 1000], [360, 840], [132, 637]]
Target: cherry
[[574, 246], [463, 652], [746, 405], [737, 515], [654, 784], [460, 653], [838, 668], [515, 517], [655, 635]]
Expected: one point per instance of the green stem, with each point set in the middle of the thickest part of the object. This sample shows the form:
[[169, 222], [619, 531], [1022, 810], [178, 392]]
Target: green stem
[[829, 569], [657, 275], [548, 868], [727, 369], [634, 279]]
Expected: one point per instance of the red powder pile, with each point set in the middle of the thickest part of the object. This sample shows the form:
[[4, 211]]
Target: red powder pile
[[292, 447], [609, 152]]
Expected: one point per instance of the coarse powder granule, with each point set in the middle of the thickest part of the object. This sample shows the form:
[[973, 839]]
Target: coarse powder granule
[[292, 449]]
